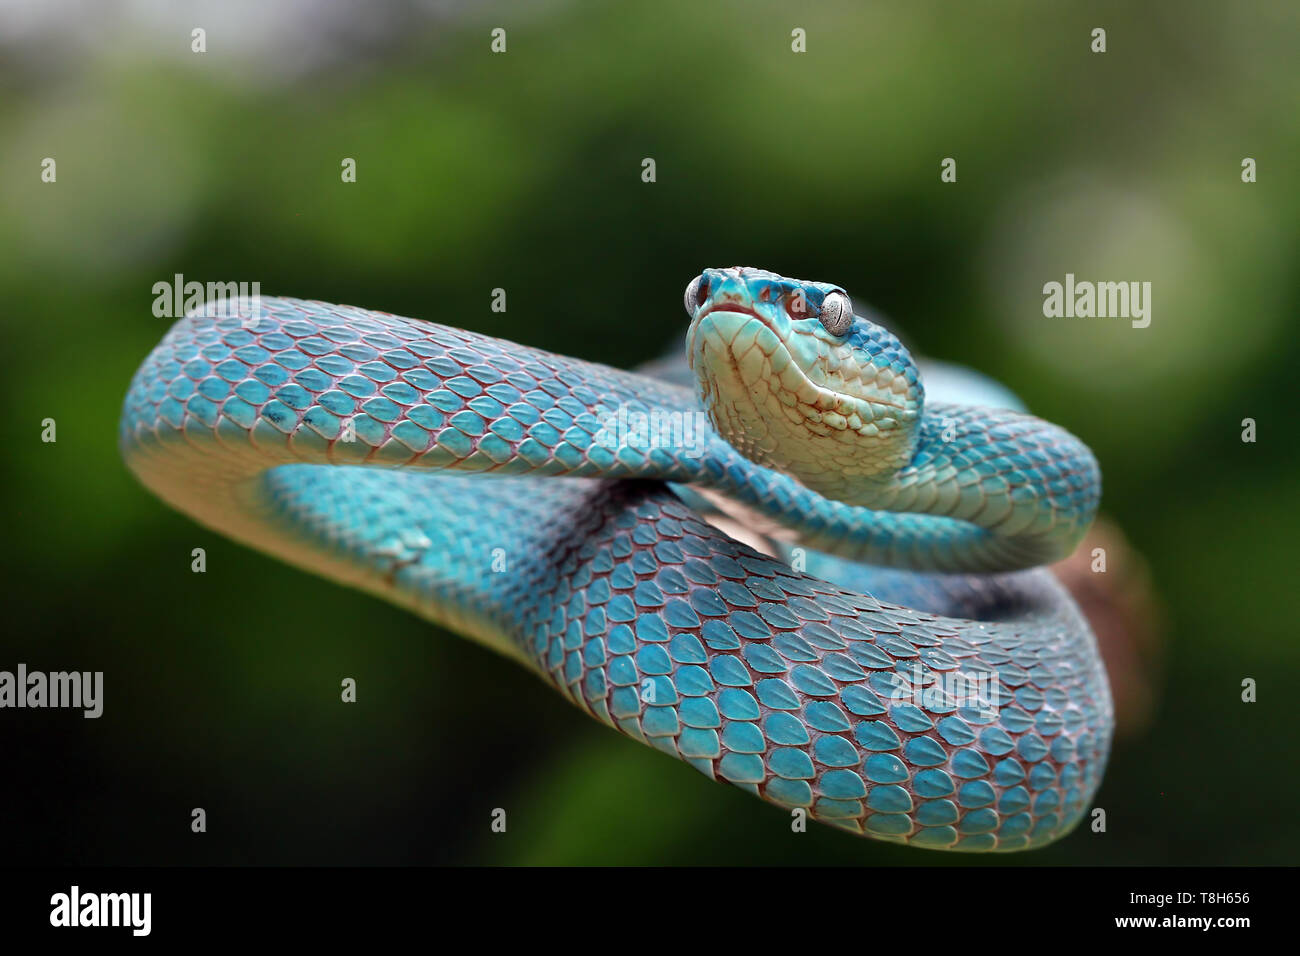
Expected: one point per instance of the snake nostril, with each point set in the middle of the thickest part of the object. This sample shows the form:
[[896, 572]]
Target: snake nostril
[[702, 293]]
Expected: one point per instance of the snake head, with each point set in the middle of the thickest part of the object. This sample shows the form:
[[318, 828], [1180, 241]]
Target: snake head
[[792, 378]]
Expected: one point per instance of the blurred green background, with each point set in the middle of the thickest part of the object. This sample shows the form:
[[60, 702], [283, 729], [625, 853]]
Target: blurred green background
[[523, 171]]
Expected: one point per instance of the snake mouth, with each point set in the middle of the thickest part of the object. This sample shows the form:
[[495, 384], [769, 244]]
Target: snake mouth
[[825, 395], [735, 308], [793, 377]]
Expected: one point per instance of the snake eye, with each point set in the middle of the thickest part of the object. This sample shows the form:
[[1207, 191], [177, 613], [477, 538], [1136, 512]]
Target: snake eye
[[837, 313], [696, 293]]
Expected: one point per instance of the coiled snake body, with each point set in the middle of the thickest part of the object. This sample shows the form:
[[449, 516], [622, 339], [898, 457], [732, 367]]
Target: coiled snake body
[[892, 670]]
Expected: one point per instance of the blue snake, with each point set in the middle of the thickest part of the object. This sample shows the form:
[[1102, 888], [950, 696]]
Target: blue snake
[[890, 662]]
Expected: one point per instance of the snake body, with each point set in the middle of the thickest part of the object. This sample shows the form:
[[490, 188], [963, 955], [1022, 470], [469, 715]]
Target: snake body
[[892, 669]]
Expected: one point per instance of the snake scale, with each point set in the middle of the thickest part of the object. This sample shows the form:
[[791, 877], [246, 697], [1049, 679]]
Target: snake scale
[[894, 665]]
